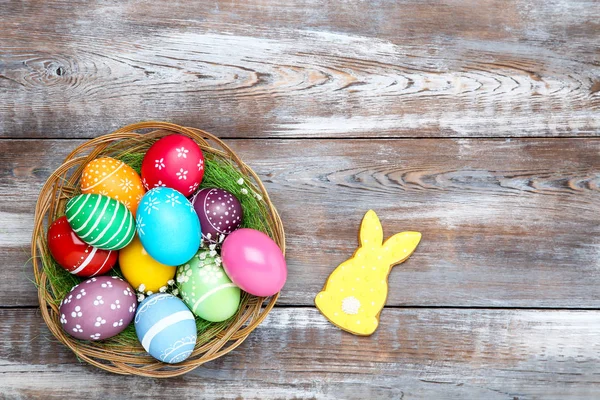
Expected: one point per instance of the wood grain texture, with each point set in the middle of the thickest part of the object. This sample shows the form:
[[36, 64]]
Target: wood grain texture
[[295, 353], [505, 223], [308, 68]]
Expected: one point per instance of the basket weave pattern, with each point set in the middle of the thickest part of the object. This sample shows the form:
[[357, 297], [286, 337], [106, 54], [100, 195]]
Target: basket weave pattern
[[61, 186]]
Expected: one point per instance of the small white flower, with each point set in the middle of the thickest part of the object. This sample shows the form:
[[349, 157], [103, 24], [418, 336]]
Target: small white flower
[[208, 235], [142, 288], [175, 292], [77, 312], [149, 292], [162, 289], [182, 174], [258, 196], [140, 297], [221, 238], [126, 185], [218, 260], [240, 181], [140, 225], [182, 152], [173, 199], [212, 253], [159, 164], [244, 191], [151, 204], [212, 246], [170, 282], [193, 187]]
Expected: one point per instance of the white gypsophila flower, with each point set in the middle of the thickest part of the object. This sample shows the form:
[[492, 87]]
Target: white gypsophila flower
[[244, 191], [175, 292], [240, 181], [142, 288], [212, 246], [221, 238], [170, 282], [140, 297], [162, 289], [149, 292]]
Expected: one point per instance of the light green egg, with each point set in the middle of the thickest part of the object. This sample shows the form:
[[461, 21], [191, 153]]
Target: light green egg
[[206, 289]]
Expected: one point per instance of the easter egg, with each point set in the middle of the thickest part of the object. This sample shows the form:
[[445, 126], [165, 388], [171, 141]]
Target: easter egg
[[114, 179], [76, 256], [168, 226], [254, 262], [139, 268], [219, 211], [175, 161], [98, 220], [166, 328], [98, 308], [206, 289]]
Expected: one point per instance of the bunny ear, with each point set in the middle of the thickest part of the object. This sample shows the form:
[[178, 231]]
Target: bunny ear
[[400, 246], [371, 233]]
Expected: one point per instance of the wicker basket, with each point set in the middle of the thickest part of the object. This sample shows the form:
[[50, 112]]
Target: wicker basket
[[62, 184]]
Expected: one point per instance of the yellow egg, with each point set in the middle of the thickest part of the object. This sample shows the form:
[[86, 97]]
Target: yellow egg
[[139, 268], [115, 179]]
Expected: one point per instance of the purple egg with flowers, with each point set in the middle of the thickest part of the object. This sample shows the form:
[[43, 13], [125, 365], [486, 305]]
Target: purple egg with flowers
[[219, 211], [98, 308]]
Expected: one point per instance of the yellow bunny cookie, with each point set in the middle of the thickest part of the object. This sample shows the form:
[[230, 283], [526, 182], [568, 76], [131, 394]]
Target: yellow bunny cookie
[[356, 290]]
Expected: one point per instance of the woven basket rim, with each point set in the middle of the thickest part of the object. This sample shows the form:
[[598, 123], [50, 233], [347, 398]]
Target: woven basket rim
[[134, 361]]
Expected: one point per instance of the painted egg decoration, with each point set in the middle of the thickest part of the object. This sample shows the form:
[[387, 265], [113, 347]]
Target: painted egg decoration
[[139, 268], [98, 308], [114, 179], [206, 288], [166, 328], [219, 211], [254, 262], [100, 221], [76, 256], [175, 161], [168, 226]]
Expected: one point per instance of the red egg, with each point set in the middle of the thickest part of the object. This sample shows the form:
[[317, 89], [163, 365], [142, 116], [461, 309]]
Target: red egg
[[76, 256], [175, 161]]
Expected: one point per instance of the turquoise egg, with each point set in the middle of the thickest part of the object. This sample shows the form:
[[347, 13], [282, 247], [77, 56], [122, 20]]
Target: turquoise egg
[[166, 328], [206, 288], [168, 226]]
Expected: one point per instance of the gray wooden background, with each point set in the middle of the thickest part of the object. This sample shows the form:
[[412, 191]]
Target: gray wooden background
[[473, 122]]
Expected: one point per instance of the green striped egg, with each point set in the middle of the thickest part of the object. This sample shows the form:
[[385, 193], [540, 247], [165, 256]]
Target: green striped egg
[[206, 288], [101, 221]]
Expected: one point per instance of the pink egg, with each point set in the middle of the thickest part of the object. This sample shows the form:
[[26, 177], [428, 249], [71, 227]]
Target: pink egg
[[254, 262], [175, 161]]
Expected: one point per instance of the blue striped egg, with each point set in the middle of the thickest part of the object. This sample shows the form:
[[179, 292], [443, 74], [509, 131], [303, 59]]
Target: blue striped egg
[[166, 328]]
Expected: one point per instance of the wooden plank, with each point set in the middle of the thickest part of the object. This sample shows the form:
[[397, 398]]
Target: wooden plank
[[309, 68], [295, 353], [505, 223]]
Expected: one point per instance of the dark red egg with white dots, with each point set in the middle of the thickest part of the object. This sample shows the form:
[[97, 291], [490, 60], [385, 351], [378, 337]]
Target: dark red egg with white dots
[[76, 256], [219, 211], [176, 162]]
